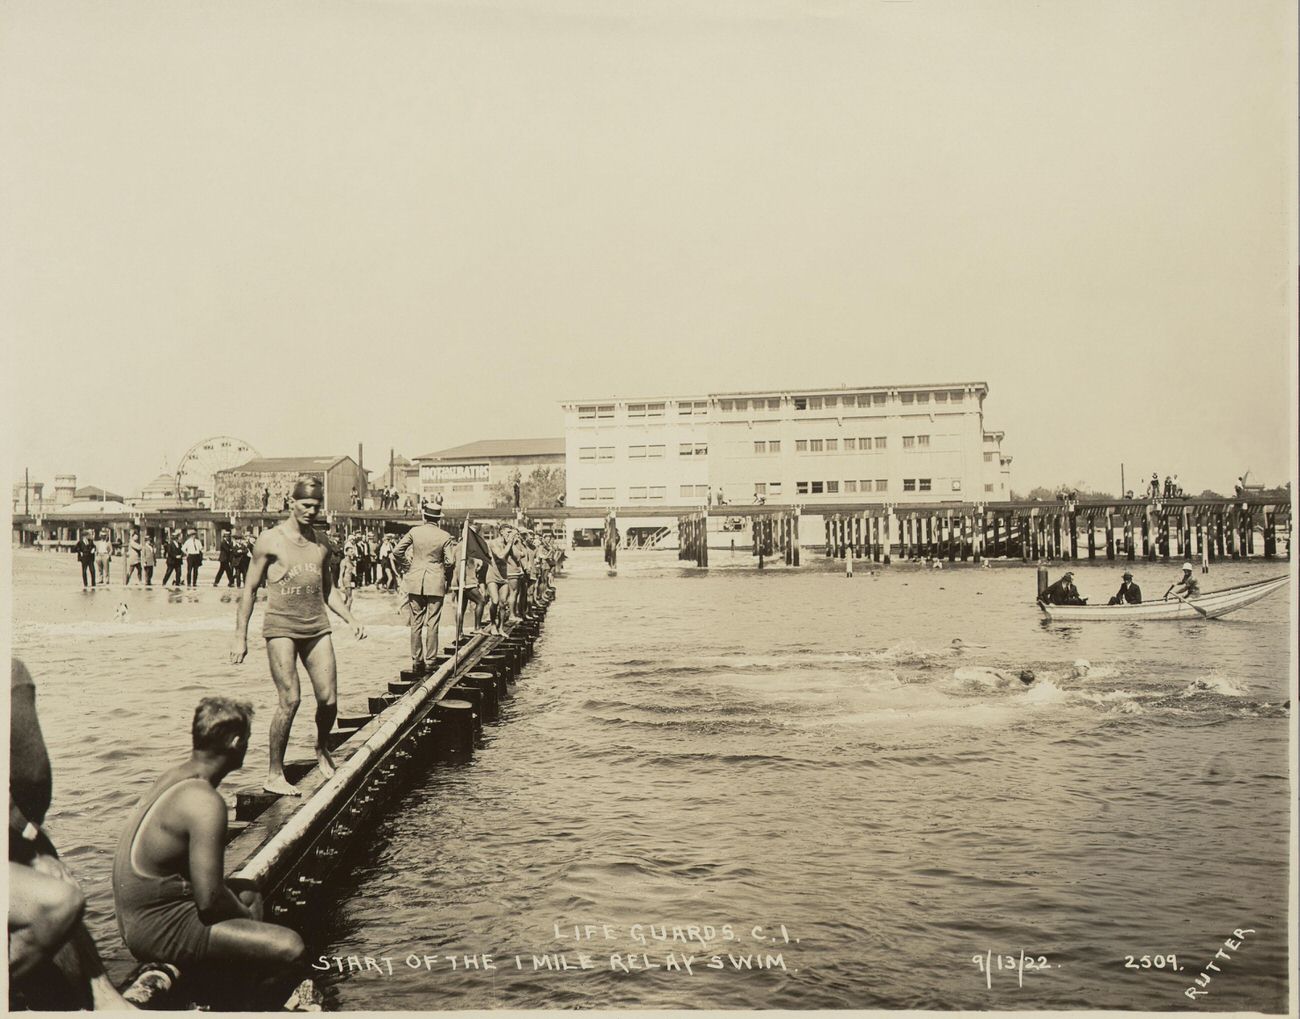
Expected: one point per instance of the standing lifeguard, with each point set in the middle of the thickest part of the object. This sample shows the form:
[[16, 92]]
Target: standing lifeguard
[[296, 627]]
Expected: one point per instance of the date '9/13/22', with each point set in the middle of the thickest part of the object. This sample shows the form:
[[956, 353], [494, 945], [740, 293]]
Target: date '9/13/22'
[[1019, 965]]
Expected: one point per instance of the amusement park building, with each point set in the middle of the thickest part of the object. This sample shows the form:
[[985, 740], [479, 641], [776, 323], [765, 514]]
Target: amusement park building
[[242, 487], [465, 475]]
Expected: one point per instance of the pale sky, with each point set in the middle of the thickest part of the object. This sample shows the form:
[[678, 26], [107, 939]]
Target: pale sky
[[416, 224]]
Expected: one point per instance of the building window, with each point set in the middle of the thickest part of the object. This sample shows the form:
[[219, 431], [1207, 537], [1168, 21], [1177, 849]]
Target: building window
[[909, 484], [955, 396], [686, 449], [636, 492], [832, 445], [817, 488], [878, 399], [702, 490], [774, 445], [909, 441], [814, 403], [605, 412], [881, 485], [742, 405], [760, 488], [880, 442], [655, 452], [988, 488], [774, 404], [801, 445], [701, 449], [815, 445], [832, 401], [924, 484], [687, 491], [587, 453], [606, 453], [800, 403], [850, 445], [656, 491], [850, 487], [774, 488], [726, 404], [907, 397], [801, 488], [636, 452], [832, 488], [654, 410], [941, 396], [586, 494], [587, 414], [923, 441], [760, 446], [956, 484], [636, 410], [607, 493], [988, 458], [922, 397]]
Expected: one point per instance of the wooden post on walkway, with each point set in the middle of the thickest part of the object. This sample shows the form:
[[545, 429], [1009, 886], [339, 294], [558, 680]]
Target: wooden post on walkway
[[888, 535], [795, 538]]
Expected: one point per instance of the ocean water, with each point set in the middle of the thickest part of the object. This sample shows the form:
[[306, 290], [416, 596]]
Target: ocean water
[[789, 777]]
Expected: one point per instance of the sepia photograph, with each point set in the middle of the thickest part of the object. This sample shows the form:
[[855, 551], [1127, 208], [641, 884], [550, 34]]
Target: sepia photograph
[[651, 505]]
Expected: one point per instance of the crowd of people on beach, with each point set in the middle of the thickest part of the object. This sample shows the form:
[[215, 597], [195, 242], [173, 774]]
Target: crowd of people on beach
[[172, 904]]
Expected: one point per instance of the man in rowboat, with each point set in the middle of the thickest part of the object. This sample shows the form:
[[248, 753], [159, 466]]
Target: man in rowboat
[[1063, 592], [1187, 587], [1129, 593]]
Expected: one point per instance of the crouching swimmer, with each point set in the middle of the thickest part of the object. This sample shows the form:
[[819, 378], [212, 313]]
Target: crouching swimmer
[[173, 904]]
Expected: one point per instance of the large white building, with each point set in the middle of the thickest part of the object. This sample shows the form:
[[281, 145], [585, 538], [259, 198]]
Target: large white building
[[897, 444]]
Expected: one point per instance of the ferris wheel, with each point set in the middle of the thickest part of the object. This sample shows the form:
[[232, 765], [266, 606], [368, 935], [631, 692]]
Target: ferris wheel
[[196, 470]]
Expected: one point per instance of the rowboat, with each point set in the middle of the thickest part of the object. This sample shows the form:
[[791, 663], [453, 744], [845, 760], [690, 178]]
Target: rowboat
[[1210, 605]]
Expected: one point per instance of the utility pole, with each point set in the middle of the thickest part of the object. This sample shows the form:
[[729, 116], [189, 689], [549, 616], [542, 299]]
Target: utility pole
[[1123, 489], [27, 491]]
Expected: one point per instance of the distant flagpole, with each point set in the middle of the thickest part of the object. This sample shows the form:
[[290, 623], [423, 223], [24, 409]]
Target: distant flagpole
[[460, 595]]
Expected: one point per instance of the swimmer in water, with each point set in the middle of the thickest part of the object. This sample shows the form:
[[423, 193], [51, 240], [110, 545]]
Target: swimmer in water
[[299, 589], [994, 677], [121, 613]]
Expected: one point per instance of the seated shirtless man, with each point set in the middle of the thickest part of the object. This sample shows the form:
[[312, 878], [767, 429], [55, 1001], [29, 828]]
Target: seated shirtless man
[[169, 889], [299, 587]]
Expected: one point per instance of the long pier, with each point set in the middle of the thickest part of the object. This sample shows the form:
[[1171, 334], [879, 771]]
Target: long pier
[[1127, 529], [287, 848]]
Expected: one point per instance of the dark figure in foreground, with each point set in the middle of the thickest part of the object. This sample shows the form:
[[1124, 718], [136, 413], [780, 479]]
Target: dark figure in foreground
[[169, 889], [52, 960], [1063, 592], [1128, 594]]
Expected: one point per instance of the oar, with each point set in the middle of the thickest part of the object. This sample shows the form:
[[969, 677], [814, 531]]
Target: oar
[[1190, 605]]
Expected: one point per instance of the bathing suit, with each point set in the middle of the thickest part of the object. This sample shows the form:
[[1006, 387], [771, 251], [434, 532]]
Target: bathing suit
[[496, 573], [156, 916], [295, 606]]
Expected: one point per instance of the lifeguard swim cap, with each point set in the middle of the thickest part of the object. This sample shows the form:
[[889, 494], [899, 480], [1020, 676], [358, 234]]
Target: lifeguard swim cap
[[308, 488]]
